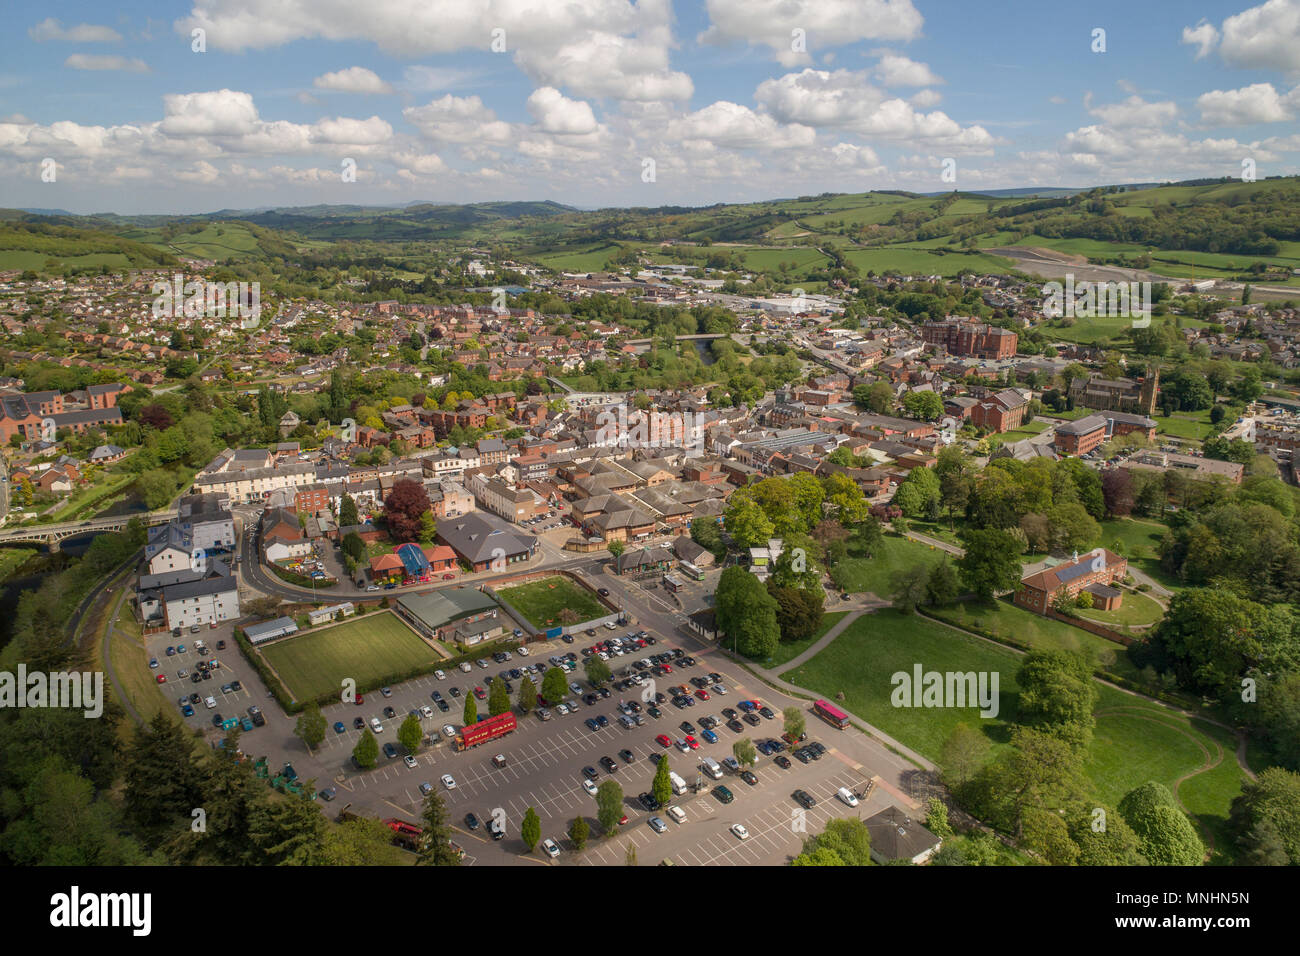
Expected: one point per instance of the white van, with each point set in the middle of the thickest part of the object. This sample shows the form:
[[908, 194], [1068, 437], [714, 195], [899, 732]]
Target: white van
[[679, 785], [710, 766], [677, 813], [846, 796]]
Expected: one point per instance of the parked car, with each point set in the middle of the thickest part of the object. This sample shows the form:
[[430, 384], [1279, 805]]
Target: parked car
[[550, 848], [339, 728]]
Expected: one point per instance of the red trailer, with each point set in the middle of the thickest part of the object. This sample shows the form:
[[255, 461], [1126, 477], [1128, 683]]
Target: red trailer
[[485, 730]]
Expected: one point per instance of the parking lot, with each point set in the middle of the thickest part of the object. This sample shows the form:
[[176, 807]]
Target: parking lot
[[232, 669], [545, 760]]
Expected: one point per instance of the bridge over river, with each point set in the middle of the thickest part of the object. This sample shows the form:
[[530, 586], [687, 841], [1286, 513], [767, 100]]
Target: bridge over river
[[51, 535]]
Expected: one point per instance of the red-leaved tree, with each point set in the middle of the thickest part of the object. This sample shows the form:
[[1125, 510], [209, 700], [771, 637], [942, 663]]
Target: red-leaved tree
[[402, 510]]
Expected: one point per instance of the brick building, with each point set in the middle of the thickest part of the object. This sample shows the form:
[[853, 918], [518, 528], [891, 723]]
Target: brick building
[[1096, 572], [968, 337]]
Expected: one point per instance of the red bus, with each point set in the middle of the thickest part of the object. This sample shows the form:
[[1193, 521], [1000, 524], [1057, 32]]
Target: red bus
[[831, 714]]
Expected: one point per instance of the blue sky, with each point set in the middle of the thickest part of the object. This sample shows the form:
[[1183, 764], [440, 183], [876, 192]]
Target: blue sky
[[615, 103]]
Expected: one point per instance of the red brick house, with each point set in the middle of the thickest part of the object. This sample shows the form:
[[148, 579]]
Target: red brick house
[[1095, 572]]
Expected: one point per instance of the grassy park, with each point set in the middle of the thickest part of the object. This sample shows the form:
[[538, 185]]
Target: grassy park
[[1134, 740], [368, 649], [787, 651], [542, 601], [861, 573]]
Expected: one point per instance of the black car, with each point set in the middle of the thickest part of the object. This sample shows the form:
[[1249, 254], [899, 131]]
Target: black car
[[390, 751], [749, 777], [752, 719], [195, 677], [471, 821], [708, 722], [221, 645], [655, 757], [804, 799], [602, 720], [816, 749], [782, 761], [358, 723], [236, 685], [648, 802], [609, 765], [435, 696], [195, 698], [216, 720], [590, 772], [715, 678], [443, 706], [390, 713], [723, 794], [627, 755], [654, 711], [603, 592], [801, 755], [688, 662], [728, 713], [590, 700], [735, 726], [604, 693], [687, 727], [766, 712], [454, 691]]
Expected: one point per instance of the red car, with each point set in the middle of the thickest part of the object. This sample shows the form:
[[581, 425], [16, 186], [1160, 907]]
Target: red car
[[692, 742], [480, 693], [360, 700], [162, 678], [622, 820], [663, 740], [668, 668], [449, 577], [702, 694]]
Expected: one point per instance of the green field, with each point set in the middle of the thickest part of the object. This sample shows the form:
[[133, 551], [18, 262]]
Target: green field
[[861, 661], [787, 651], [1140, 542], [858, 574], [1134, 741], [1195, 427], [1023, 628], [542, 601], [368, 649]]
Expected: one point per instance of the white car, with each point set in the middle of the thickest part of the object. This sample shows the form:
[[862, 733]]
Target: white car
[[448, 731], [561, 709], [209, 702], [426, 710], [740, 831], [440, 675], [465, 667], [611, 625], [410, 761], [590, 786], [376, 726], [718, 689], [373, 587], [449, 781], [522, 652], [550, 847]]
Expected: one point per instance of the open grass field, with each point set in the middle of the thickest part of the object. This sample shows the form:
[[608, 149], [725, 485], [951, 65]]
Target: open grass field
[[1194, 426], [1030, 430], [368, 649], [787, 651], [857, 574], [131, 666], [542, 601], [1134, 740], [1004, 619], [1140, 540], [913, 259], [862, 659]]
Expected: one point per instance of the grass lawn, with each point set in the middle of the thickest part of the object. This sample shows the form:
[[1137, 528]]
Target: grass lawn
[[1193, 426], [788, 651], [1030, 430], [859, 574], [542, 601], [138, 681], [1136, 608], [1136, 741], [1140, 539], [1038, 633], [368, 649], [862, 659]]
